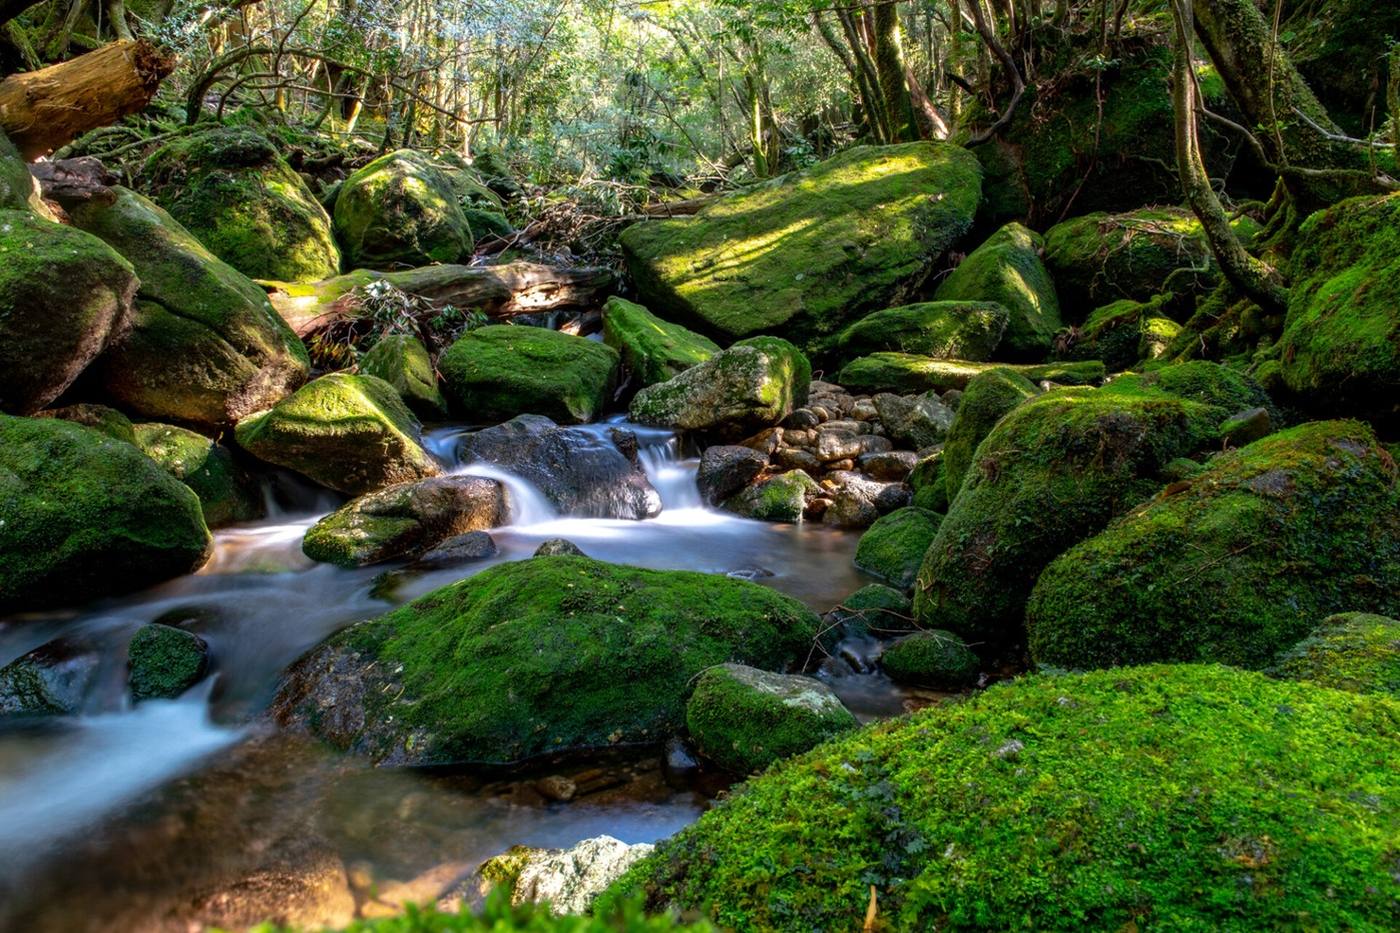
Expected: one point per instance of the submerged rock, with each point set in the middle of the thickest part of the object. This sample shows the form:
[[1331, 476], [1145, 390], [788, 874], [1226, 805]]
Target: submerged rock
[[404, 363], [744, 719], [1353, 651], [893, 548], [949, 330], [225, 493], [53, 679], [400, 209], [497, 372], [164, 662], [1006, 269], [652, 350], [549, 655]]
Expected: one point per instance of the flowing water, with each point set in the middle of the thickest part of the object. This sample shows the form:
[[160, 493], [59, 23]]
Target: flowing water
[[149, 817]]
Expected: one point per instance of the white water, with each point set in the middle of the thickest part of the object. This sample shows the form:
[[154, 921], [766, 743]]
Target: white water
[[528, 506]]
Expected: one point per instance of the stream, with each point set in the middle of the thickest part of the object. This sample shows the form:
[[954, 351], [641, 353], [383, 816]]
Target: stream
[[152, 817]]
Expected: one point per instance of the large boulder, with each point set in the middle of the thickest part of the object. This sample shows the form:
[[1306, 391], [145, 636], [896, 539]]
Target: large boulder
[[64, 295], [1185, 797], [744, 719], [949, 330], [401, 209], [226, 494], [652, 350], [906, 373], [83, 515], [402, 361], [893, 548], [1235, 564], [231, 188], [581, 472], [1056, 470], [1340, 348], [1006, 269], [206, 347], [754, 384], [806, 254], [405, 520], [985, 401], [351, 433], [1355, 651], [540, 656], [496, 372]]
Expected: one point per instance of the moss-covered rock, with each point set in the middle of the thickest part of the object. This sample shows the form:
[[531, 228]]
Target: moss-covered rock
[[874, 609], [929, 480], [485, 224], [947, 330], [205, 347], [402, 361], [83, 515], [652, 350], [985, 401], [207, 467], [351, 433], [1185, 798], [780, 498], [546, 655], [753, 384], [1353, 651], [405, 520], [496, 372], [1125, 332], [1340, 348], [98, 417], [400, 209], [806, 254], [907, 373], [744, 719], [52, 680], [163, 662], [893, 548], [1006, 269], [64, 296], [1235, 564], [230, 188], [18, 190], [1056, 470], [932, 659]]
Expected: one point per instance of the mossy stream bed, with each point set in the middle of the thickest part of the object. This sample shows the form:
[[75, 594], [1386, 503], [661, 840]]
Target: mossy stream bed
[[153, 816]]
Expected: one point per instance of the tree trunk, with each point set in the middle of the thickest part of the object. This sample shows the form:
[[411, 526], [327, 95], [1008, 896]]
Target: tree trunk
[[889, 66], [45, 109]]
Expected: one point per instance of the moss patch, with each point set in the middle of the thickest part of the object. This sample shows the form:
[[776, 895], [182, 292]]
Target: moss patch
[[1006, 269], [948, 330], [652, 350], [207, 467], [932, 659], [164, 662], [496, 372], [893, 548], [1352, 651], [404, 363], [400, 209], [907, 374], [986, 400]]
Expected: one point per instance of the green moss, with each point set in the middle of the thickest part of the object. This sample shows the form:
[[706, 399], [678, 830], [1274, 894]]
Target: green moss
[[83, 515], [781, 498], [874, 609], [806, 254], [16, 184], [550, 654], [932, 659], [929, 480], [1054, 471], [403, 362], [962, 330], [986, 400], [893, 548], [496, 372], [906, 374], [230, 188], [1235, 564], [744, 719], [1006, 269], [401, 209], [164, 662], [205, 466], [484, 224], [1125, 332], [652, 350], [98, 417], [1352, 651], [1174, 798], [351, 433]]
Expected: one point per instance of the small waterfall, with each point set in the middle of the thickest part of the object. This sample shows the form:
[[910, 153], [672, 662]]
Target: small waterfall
[[528, 506], [672, 477]]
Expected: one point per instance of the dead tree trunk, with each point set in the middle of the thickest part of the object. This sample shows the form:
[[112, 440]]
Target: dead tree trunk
[[45, 109]]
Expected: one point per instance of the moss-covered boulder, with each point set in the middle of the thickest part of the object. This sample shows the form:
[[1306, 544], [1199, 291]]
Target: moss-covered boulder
[[929, 481], [652, 350], [780, 498], [1235, 564], [351, 433], [225, 492], [752, 385], [1007, 269], [496, 372], [1056, 470], [546, 655], [64, 296], [806, 254], [485, 224], [907, 373], [947, 330], [744, 719], [1354, 651], [231, 188], [163, 662], [54, 679], [932, 659], [84, 515], [98, 417], [1340, 348], [402, 361], [405, 520], [873, 610], [893, 548], [1126, 332], [1186, 797], [205, 347], [985, 401], [18, 190], [400, 209]]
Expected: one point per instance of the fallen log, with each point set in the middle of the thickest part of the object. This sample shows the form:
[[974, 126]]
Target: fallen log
[[45, 109]]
